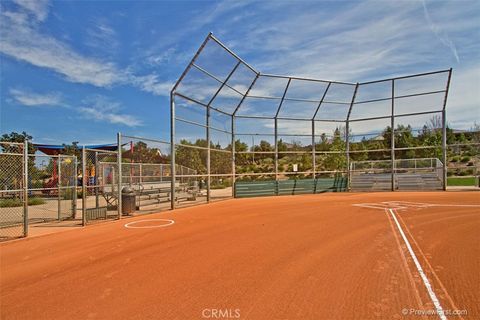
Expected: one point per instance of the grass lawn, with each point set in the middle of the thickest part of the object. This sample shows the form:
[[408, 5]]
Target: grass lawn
[[461, 181]]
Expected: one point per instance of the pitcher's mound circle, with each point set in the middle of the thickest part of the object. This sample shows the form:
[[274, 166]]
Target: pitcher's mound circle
[[149, 223]]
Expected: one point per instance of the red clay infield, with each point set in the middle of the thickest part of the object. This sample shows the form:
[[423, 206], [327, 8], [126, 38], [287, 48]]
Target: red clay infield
[[291, 257]]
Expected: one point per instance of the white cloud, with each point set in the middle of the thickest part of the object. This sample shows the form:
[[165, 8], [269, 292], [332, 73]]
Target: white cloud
[[97, 108], [463, 105], [28, 98], [355, 41], [361, 41], [100, 108], [151, 83], [218, 12], [97, 115], [102, 37], [21, 40], [16, 17], [39, 8], [440, 34], [159, 59], [25, 43]]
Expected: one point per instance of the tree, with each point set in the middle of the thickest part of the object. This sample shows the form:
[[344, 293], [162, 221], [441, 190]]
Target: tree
[[430, 137], [281, 146], [241, 159], [359, 146], [220, 162], [72, 149], [11, 161], [323, 145], [336, 161], [17, 138], [189, 157], [142, 153]]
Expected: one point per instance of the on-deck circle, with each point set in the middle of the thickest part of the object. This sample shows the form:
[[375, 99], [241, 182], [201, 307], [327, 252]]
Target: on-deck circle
[[164, 223]]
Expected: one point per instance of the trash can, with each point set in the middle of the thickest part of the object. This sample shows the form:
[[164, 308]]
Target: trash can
[[128, 201]]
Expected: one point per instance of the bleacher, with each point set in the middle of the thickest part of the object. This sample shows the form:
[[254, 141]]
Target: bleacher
[[410, 174], [403, 181]]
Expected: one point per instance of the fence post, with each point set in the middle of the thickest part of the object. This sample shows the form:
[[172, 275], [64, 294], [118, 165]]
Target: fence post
[[444, 149], [392, 138], [233, 155], [25, 188], [119, 169], [84, 186], [172, 150], [209, 179], [313, 150], [97, 202], [59, 179], [75, 186], [275, 133], [347, 137]]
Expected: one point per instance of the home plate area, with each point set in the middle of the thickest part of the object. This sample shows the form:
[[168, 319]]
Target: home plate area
[[404, 205]]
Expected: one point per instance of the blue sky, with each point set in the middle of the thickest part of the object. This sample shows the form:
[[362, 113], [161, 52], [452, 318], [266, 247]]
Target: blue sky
[[84, 70]]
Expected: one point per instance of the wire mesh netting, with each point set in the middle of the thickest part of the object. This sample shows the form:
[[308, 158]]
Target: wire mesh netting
[[463, 160], [146, 170], [100, 185], [12, 195], [191, 182], [52, 187], [297, 128]]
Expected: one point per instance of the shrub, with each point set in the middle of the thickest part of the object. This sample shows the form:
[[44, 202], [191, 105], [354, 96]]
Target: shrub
[[35, 201], [17, 202], [68, 194], [465, 159], [467, 172]]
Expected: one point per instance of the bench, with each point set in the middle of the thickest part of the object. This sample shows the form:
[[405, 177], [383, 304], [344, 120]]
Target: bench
[[96, 213]]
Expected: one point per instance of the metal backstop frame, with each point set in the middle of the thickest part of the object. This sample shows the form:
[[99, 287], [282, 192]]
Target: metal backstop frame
[[217, 83]]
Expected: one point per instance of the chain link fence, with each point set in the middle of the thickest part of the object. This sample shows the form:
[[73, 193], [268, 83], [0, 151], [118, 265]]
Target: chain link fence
[[34, 188], [52, 181], [13, 203], [464, 161], [100, 185], [146, 173]]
